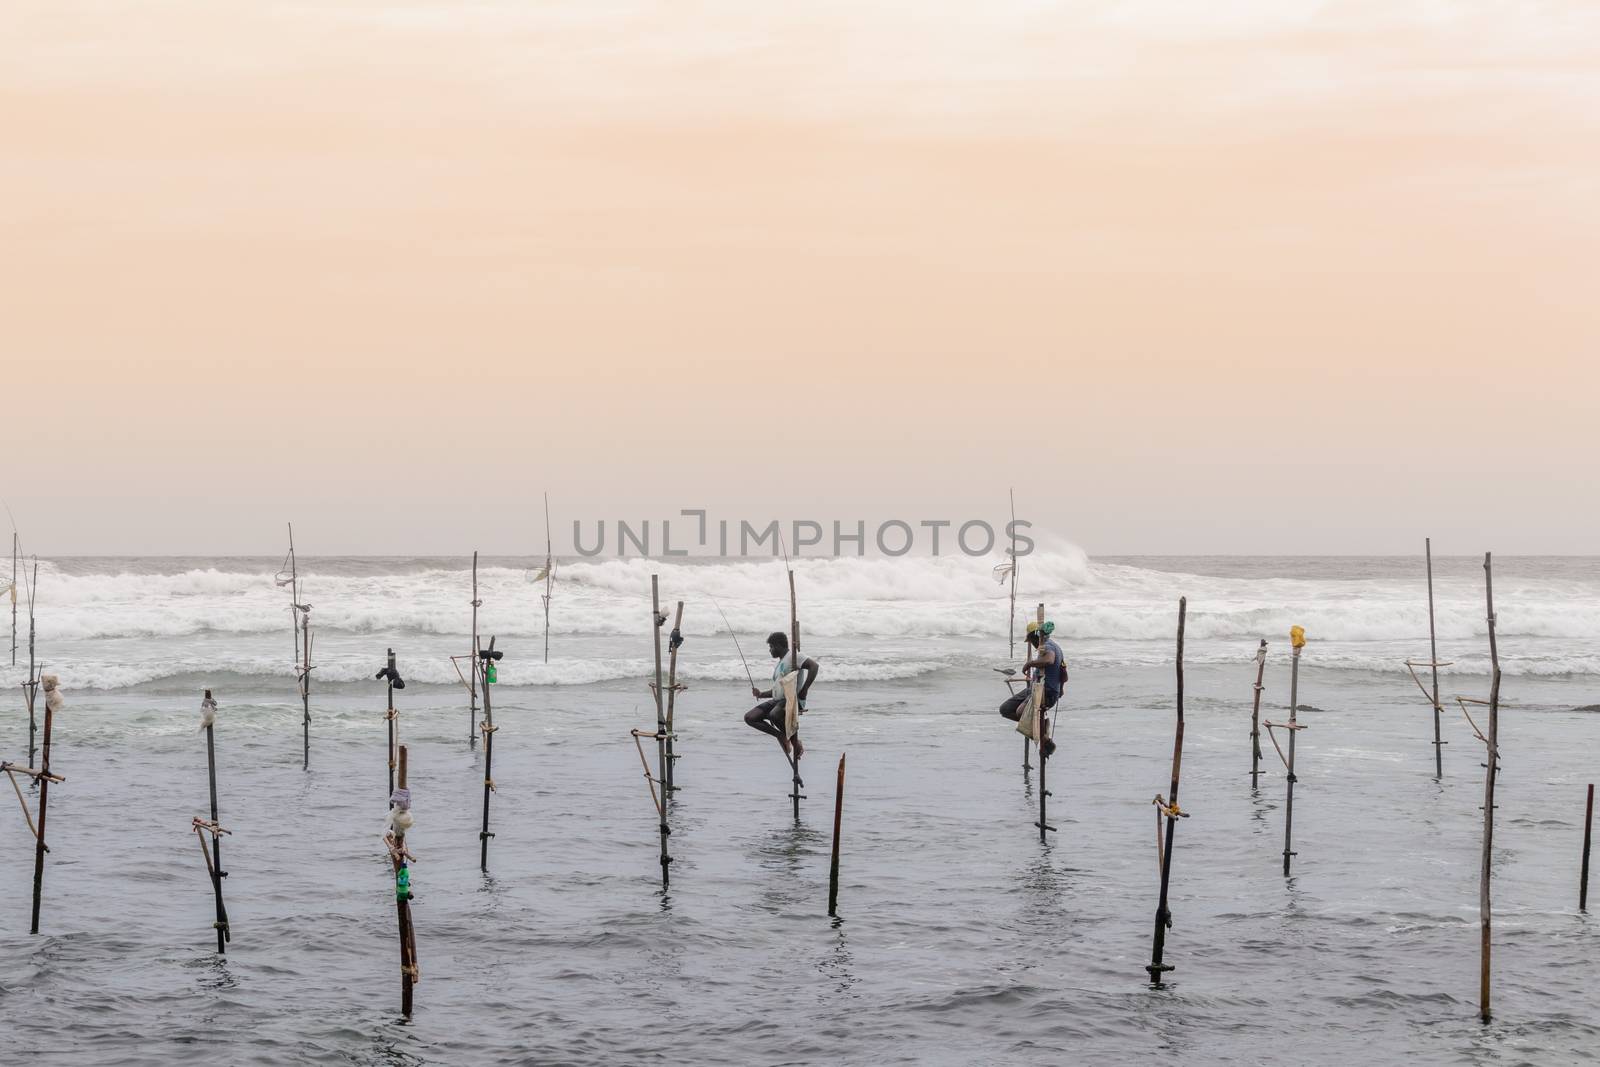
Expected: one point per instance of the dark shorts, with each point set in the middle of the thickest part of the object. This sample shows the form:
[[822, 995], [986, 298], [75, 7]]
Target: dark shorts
[[1012, 708], [772, 711]]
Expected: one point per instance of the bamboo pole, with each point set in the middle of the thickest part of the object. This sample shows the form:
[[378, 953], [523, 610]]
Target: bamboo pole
[[215, 872], [472, 675], [487, 658], [300, 614], [549, 576], [674, 640], [1039, 735], [1433, 660], [44, 779], [391, 715], [208, 712], [305, 684], [658, 620], [838, 818], [294, 597], [1583, 873], [1173, 813], [1297, 638], [32, 684], [1491, 770], [1255, 716], [400, 821], [794, 650], [1012, 630]]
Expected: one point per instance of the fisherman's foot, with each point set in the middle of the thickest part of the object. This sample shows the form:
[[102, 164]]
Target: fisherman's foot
[[1049, 748], [799, 749]]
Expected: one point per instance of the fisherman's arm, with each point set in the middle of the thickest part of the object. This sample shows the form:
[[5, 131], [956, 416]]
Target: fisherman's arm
[[810, 667], [1046, 658]]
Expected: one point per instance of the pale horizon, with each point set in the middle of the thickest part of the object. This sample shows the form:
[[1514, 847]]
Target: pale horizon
[[1262, 278]]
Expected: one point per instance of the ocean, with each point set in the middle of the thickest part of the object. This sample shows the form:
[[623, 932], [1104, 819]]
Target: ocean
[[960, 937]]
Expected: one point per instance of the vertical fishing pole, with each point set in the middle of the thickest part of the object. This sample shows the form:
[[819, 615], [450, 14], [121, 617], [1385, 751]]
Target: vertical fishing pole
[[1583, 872], [208, 718], [301, 612], [400, 820], [1491, 770], [391, 674], [1039, 735], [1297, 638], [1012, 625], [487, 660], [1433, 661], [838, 818], [674, 640], [1168, 807], [52, 703], [472, 675], [1255, 716], [31, 686], [549, 576], [794, 650], [658, 619]]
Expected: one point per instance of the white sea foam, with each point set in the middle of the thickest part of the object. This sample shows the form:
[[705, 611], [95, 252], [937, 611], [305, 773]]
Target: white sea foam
[[140, 623]]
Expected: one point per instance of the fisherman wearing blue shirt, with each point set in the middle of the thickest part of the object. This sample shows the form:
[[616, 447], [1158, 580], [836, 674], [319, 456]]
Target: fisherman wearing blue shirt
[[1049, 663]]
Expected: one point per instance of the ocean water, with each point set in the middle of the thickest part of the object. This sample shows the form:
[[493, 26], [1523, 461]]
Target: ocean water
[[960, 937]]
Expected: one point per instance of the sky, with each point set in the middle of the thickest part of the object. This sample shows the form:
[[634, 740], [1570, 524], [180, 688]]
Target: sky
[[1274, 276]]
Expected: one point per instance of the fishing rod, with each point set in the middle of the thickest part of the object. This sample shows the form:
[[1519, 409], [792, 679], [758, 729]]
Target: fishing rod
[[735, 637]]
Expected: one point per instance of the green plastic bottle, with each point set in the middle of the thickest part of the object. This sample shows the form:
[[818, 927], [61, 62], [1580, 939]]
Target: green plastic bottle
[[402, 884], [493, 674]]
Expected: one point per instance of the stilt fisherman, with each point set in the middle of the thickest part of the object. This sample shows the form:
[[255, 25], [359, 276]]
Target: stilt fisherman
[[1048, 663]]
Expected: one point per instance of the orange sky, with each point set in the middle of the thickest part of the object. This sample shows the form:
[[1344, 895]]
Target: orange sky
[[1255, 277]]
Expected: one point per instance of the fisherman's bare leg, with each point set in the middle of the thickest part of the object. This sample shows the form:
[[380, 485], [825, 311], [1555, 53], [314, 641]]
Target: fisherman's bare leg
[[759, 717]]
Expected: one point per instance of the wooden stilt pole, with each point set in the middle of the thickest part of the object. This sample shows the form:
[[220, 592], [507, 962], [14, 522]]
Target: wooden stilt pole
[[1040, 736], [549, 576], [838, 819], [213, 857], [1491, 769], [657, 621], [391, 674], [44, 779], [794, 650], [300, 612], [472, 675], [400, 821], [305, 684], [487, 660], [1297, 638], [1583, 873], [208, 712], [1433, 659], [1169, 808], [673, 641], [1255, 716], [31, 686]]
